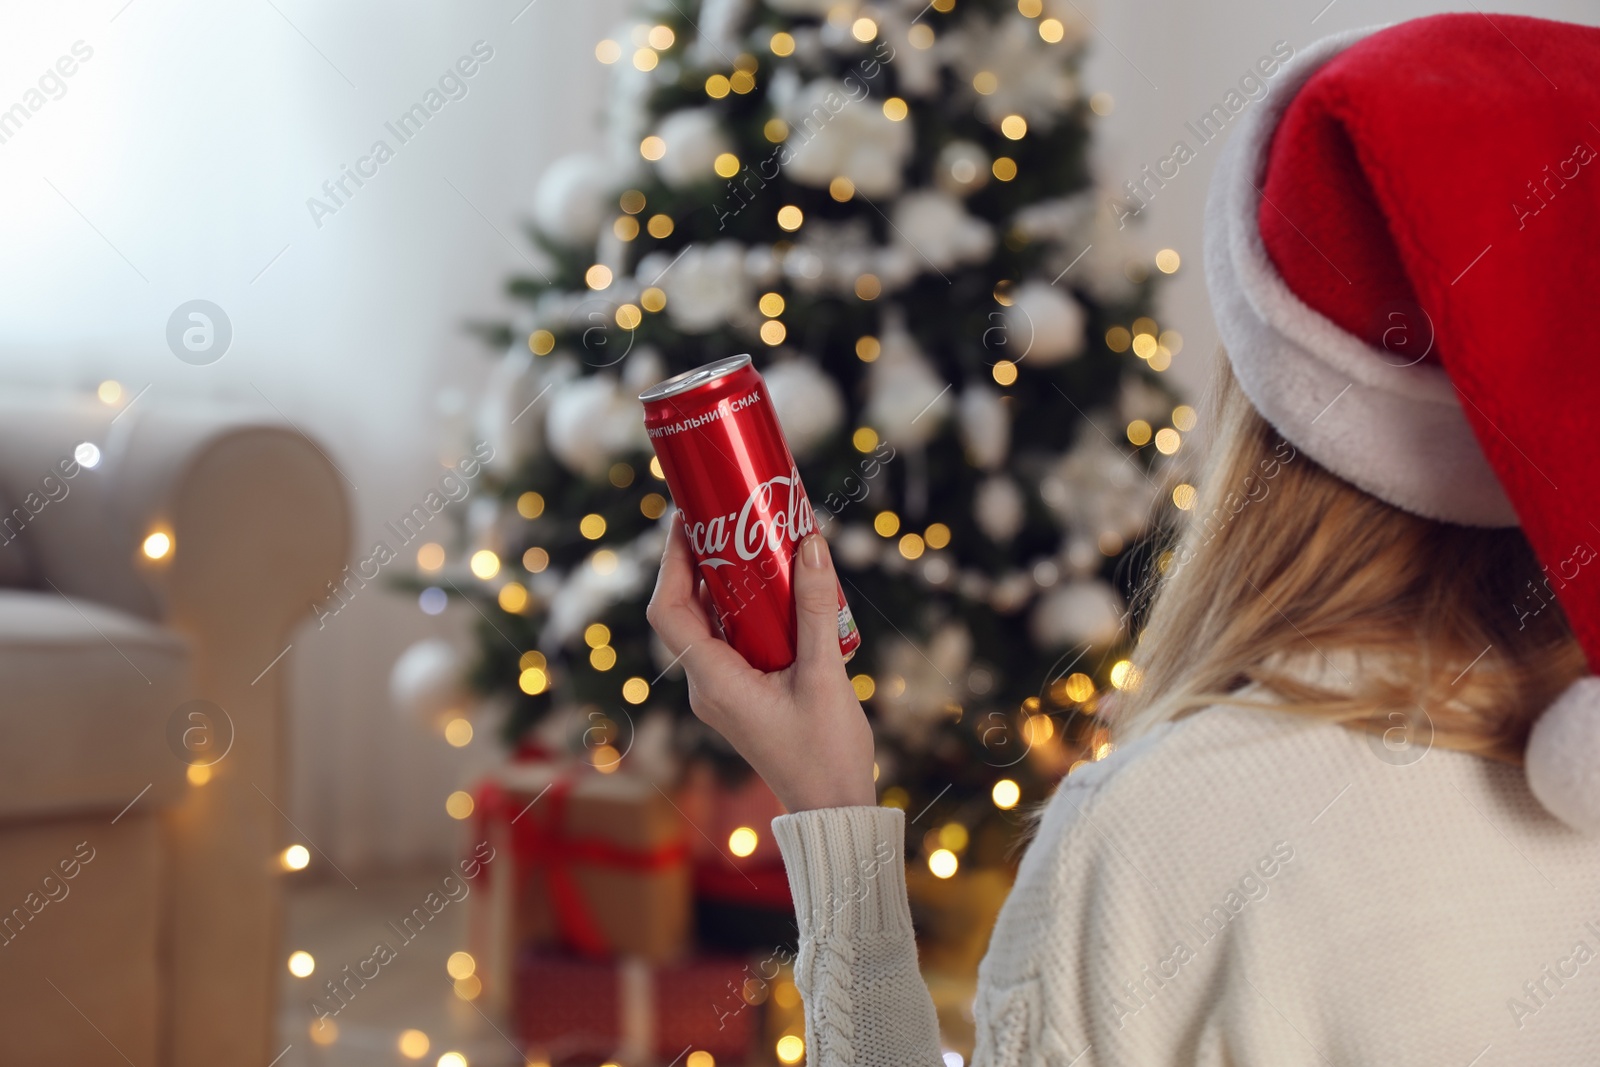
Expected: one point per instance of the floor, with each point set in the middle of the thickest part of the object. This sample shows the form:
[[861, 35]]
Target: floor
[[340, 926]]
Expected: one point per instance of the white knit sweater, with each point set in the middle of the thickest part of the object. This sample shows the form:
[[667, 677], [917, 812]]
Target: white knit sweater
[[1238, 888]]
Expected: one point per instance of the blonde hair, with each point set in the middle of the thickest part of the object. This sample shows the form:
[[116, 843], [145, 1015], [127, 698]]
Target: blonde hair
[[1279, 559]]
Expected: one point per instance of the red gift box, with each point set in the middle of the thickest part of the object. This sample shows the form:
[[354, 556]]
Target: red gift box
[[717, 808], [567, 1007]]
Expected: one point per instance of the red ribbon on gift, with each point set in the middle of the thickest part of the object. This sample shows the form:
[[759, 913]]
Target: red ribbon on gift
[[539, 840]]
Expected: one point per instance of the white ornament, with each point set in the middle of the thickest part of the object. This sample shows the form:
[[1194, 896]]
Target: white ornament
[[1030, 76], [808, 403], [706, 288], [426, 680], [1044, 323], [510, 419], [915, 686], [718, 31], [1012, 592], [835, 134], [761, 265], [962, 168], [938, 229], [1096, 489], [1083, 612], [856, 546], [589, 591], [999, 508], [694, 138], [906, 399], [1059, 219], [985, 425], [571, 200], [916, 69], [487, 522], [627, 119], [642, 369], [590, 421], [832, 256]]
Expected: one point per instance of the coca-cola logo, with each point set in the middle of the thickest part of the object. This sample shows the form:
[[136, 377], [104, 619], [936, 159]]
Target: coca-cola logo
[[761, 525]]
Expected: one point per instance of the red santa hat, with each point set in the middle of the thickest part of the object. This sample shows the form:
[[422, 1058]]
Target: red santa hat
[[1401, 242]]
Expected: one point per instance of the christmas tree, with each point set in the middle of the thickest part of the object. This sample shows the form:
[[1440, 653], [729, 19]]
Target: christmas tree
[[891, 207]]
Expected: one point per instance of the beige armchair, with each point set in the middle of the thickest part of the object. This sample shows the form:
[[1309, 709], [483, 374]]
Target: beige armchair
[[140, 903]]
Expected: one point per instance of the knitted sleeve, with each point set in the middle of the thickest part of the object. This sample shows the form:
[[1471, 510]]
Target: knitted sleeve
[[865, 1001]]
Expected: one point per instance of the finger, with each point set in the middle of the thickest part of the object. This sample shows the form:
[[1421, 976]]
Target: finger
[[816, 606], [673, 612], [708, 608]]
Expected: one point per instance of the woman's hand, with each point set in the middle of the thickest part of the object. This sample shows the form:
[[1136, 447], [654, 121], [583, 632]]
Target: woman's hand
[[801, 728]]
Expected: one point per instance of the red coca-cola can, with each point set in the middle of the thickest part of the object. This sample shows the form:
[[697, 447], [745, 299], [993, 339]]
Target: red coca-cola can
[[740, 500]]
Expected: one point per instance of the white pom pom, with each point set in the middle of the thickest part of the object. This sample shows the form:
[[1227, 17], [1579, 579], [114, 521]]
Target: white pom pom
[[807, 401], [570, 200], [426, 679], [1563, 757], [694, 139], [1045, 323]]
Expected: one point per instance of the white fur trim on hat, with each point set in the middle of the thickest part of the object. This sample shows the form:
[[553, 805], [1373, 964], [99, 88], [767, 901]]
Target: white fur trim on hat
[[1395, 431], [1563, 756]]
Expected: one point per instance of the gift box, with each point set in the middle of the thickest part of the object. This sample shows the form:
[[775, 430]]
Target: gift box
[[568, 1008], [741, 903], [595, 864], [742, 909], [718, 807]]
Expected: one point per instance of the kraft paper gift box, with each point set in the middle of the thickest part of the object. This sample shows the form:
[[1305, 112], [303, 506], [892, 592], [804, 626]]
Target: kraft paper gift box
[[592, 863]]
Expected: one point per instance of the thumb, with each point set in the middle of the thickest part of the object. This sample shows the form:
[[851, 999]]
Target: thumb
[[816, 604]]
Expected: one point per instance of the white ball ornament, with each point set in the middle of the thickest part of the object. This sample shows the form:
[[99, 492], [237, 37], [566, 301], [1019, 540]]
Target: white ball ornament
[[706, 287], [510, 421], [999, 508], [1045, 323], [591, 420], [856, 546], [426, 680], [936, 226], [985, 425], [807, 401], [694, 138], [856, 141], [963, 167], [907, 400], [1083, 612], [572, 199]]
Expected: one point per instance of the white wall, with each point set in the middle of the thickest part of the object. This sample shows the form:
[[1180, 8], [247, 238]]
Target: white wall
[[1167, 61], [190, 141]]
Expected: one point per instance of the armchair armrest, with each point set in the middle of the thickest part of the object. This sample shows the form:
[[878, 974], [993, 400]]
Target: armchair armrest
[[258, 524], [255, 510]]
